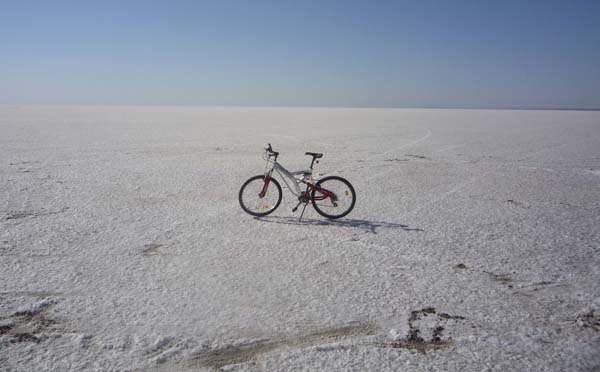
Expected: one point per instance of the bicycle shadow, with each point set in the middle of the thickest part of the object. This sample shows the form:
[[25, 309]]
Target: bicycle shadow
[[370, 226]]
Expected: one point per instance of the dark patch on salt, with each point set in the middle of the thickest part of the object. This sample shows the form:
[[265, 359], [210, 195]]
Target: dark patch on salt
[[417, 156], [151, 249], [28, 325], [414, 340], [500, 278]]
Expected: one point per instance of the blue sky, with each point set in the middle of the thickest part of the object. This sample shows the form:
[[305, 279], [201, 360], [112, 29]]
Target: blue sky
[[496, 54]]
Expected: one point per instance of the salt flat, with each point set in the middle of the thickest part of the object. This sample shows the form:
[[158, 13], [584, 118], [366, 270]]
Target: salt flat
[[473, 245]]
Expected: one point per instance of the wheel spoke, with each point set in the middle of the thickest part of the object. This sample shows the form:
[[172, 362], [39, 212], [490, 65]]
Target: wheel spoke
[[340, 203], [254, 204]]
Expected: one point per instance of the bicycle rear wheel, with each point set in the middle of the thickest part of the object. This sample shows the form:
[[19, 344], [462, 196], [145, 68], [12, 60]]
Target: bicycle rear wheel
[[340, 203], [256, 205]]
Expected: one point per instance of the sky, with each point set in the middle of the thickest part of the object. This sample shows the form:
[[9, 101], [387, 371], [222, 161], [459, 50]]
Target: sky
[[473, 54]]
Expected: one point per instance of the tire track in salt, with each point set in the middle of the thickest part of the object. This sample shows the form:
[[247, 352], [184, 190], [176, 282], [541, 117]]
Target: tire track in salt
[[402, 146], [369, 158], [443, 196]]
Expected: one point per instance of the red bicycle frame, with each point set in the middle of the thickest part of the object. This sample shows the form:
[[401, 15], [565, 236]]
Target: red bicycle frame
[[324, 194]]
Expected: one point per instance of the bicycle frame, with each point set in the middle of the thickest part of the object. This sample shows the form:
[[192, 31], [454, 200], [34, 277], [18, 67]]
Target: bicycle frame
[[293, 180]]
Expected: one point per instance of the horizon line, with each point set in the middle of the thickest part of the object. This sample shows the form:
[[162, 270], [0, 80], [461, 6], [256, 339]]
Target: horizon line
[[509, 108]]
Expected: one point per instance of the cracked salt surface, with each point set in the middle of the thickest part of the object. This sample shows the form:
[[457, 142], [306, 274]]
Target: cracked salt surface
[[123, 247]]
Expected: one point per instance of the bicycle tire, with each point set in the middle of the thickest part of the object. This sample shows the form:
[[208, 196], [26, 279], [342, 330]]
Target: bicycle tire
[[261, 178], [348, 189]]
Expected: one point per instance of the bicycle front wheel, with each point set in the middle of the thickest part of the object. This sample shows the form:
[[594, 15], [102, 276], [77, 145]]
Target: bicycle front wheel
[[337, 197], [258, 197]]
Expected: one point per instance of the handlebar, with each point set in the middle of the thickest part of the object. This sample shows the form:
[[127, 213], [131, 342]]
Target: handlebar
[[271, 152]]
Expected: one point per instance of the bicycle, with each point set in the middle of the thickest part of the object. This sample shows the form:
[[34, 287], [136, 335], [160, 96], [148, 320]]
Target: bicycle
[[332, 197]]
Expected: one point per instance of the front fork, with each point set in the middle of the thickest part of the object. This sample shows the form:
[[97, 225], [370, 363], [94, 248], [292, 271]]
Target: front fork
[[263, 192]]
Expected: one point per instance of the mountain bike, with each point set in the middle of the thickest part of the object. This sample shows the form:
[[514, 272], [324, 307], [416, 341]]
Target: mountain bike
[[332, 197]]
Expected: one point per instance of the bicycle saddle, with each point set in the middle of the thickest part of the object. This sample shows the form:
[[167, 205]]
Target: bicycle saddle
[[314, 154]]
